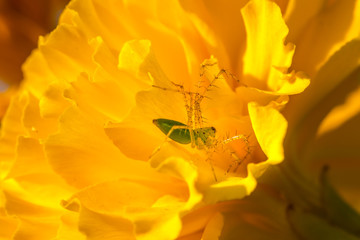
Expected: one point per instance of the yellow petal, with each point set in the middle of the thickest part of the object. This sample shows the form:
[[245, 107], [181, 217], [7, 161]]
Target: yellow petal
[[231, 188], [265, 50], [341, 113], [270, 129]]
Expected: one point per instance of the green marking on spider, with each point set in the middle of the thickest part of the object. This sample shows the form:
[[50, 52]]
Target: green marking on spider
[[181, 133]]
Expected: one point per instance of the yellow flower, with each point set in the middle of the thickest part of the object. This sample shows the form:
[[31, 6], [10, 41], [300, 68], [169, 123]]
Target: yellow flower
[[78, 147]]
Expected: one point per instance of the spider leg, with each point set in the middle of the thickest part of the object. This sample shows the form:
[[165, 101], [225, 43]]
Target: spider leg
[[238, 160]]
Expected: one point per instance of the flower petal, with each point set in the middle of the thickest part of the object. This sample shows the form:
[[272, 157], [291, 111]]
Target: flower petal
[[270, 129], [317, 42], [68, 228], [213, 228], [265, 50], [9, 225], [331, 85], [259, 216], [338, 149], [97, 226], [11, 128], [82, 159], [150, 213], [222, 26], [342, 113], [30, 158]]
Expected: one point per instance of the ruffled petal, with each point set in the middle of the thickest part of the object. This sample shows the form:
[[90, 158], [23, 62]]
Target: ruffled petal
[[266, 56], [270, 129], [83, 160], [141, 209], [316, 42], [337, 78]]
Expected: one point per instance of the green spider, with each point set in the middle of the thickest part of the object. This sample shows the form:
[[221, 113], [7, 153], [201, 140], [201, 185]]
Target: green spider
[[193, 132]]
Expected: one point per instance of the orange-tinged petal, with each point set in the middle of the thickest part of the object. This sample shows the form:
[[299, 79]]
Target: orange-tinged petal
[[299, 13], [30, 158], [66, 60], [53, 103], [339, 150], [153, 213], [88, 160], [20, 201], [95, 20], [213, 228], [69, 228], [337, 78], [34, 214], [5, 95], [317, 42], [130, 139], [11, 128], [195, 221], [36, 126], [259, 216], [222, 25], [31, 170], [143, 63], [9, 225], [97, 226], [342, 113], [29, 229], [40, 76]]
